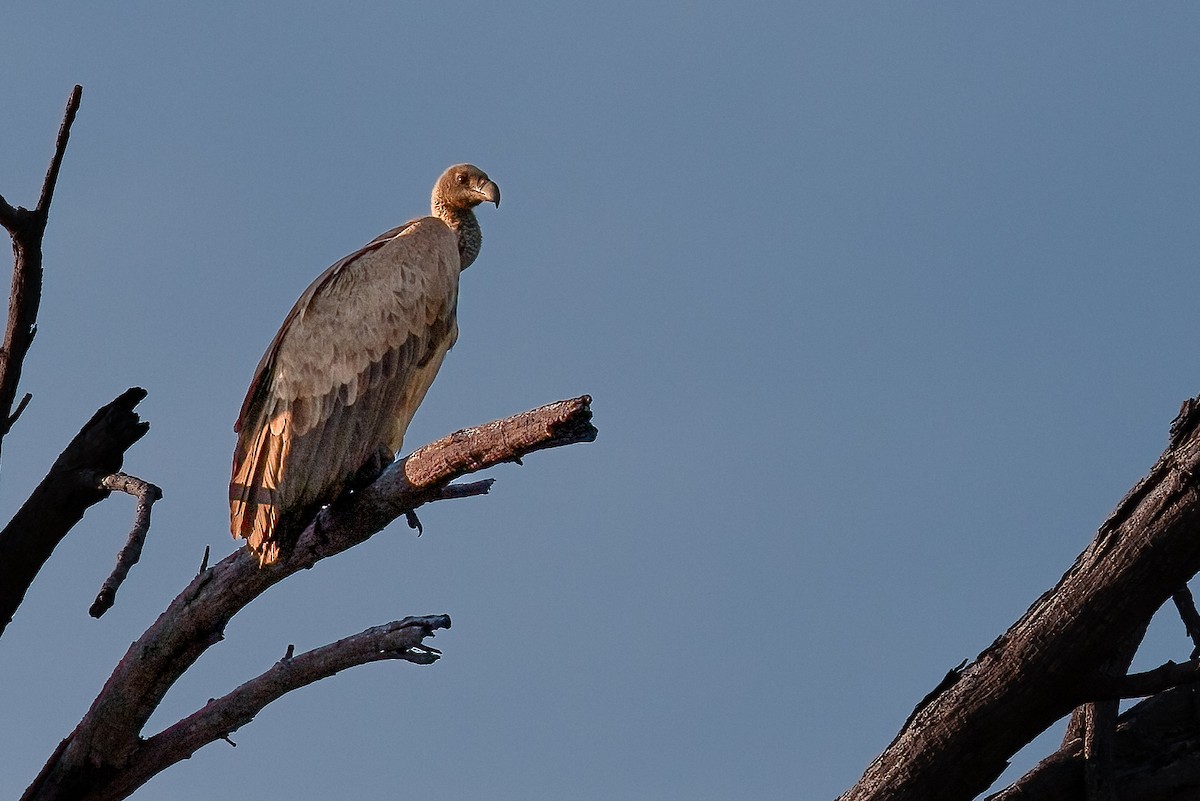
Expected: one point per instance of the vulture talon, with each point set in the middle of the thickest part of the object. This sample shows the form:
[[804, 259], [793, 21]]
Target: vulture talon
[[414, 522]]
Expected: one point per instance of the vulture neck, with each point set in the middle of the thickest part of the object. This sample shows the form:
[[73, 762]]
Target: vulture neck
[[463, 223]]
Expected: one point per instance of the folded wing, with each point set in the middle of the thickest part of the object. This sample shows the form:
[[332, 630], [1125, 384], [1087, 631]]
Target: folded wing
[[342, 379]]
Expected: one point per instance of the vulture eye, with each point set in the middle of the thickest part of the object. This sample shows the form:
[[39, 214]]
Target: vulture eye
[[461, 177]]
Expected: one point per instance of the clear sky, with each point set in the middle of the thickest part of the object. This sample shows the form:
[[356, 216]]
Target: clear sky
[[883, 308]]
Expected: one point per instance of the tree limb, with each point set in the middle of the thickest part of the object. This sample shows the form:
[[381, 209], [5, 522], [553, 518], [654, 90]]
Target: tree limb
[[1156, 756], [146, 494], [68, 489], [1186, 605], [1142, 685], [1051, 660], [1099, 778], [27, 229], [400, 639], [107, 740]]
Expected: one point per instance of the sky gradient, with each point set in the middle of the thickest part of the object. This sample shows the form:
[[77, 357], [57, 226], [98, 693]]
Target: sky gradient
[[883, 309]]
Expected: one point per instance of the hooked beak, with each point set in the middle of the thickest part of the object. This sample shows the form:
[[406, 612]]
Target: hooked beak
[[490, 192]]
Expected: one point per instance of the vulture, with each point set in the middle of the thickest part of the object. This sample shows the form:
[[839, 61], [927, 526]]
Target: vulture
[[336, 389]]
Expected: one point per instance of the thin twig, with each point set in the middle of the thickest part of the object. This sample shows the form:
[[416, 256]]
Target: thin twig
[[466, 490], [12, 418], [451, 492], [1141, 685], [146, 494], [60, 147], [1186, 605]]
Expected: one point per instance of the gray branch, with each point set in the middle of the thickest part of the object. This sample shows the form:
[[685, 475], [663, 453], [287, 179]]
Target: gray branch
[[92, 760], [146, 494], [220, 717]]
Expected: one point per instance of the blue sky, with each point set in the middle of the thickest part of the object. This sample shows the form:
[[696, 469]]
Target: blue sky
[[883, 308]]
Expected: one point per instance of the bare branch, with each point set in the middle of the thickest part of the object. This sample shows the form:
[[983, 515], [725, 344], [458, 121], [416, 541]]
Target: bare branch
[[146, 494], [1053, 658], [1142, 685], [68, 489], [26, 229], [452, 491], [12, 418], [400, 639], [108, 737], [1098, 773], [60, 148], [1186, 604], [1156, 756]]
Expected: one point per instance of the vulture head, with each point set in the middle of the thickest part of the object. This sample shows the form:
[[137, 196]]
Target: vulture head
[[463, 187]]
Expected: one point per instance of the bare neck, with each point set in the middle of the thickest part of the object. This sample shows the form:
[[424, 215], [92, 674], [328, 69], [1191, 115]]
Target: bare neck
[[463, 223]]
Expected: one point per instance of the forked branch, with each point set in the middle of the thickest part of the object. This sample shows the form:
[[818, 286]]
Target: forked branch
[[72, 484], [27, 227], [91, 762], [68, 489], [220, 717]]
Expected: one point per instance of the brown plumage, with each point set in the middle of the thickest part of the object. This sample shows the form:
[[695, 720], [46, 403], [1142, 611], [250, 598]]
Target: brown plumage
[[336, 389]]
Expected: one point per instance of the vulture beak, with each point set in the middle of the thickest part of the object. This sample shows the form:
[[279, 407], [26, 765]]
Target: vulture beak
[[490, 192]]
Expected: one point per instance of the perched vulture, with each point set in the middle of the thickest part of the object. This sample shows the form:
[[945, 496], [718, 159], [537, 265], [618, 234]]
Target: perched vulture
[[336, 389]]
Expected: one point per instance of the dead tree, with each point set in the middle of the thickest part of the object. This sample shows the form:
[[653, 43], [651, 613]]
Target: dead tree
[[1071, 651], [77, 478], [108, 756]]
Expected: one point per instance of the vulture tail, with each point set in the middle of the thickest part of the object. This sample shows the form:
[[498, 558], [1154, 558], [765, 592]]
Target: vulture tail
[[254, 497]]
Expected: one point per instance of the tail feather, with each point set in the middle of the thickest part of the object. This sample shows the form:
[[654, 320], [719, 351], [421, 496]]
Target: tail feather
[[255, 497]]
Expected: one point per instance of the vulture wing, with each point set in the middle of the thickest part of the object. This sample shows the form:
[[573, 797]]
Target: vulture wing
[[342, 379]]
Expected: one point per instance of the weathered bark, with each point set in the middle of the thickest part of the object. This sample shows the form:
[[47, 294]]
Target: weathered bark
[[1156, 756], [74, 483], [95, 760], [1059, 654]]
